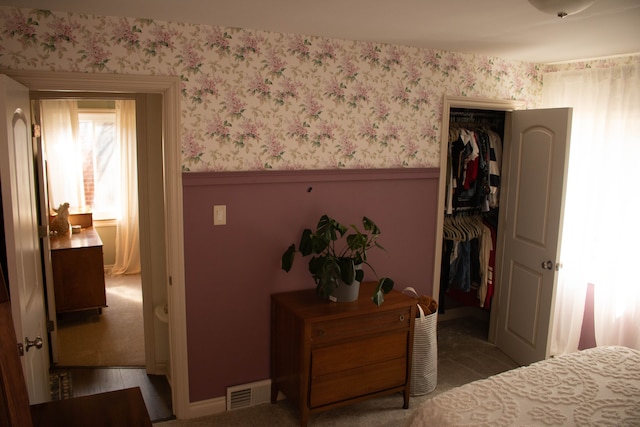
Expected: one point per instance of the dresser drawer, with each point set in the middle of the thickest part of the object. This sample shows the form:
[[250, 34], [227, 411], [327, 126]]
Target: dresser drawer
[[358, 326], [339, 386], [350, 355]]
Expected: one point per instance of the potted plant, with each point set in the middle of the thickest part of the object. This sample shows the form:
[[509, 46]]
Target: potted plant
[[336, 261]]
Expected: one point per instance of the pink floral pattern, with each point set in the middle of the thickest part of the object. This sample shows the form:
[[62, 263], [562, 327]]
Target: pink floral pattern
[[262, 100]]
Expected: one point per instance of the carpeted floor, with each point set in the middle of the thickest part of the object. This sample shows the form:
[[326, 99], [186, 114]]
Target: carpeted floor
[[113, 338]]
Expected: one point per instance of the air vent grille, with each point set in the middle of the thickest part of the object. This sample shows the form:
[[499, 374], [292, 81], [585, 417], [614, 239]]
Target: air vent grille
[[243, 396]]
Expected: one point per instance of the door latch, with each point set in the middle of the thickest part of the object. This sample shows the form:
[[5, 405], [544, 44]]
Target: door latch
[[21, 349], [547, 265], [37, 343]]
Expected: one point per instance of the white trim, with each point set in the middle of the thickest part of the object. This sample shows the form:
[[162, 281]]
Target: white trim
[[216, 405], [207, 407], [101, 223], [595, 58], [169, 87]]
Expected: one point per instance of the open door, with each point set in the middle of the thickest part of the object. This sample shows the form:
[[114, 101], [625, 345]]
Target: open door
[[531, 228], [43, 197], [24, 268]]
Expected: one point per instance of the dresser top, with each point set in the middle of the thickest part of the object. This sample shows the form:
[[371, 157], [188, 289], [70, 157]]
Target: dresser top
[[86, 238], [307, 304]]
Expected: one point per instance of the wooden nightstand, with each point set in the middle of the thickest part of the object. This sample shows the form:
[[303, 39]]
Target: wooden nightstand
[[325, 355]]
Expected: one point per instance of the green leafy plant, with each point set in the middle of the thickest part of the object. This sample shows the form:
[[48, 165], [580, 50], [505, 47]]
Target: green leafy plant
[[337, 257]]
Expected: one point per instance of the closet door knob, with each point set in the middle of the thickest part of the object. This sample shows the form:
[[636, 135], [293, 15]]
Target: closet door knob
[[547, 265]]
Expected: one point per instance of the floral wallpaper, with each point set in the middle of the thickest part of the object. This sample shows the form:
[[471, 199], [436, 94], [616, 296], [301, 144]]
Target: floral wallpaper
[[254, 100]]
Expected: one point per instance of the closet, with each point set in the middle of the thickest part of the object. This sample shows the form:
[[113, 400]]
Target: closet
[[532, 187], [474, 153], [472, 149]]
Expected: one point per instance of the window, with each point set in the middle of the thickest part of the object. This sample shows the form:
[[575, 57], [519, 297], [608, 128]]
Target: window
[[100, 162], [83, 142]]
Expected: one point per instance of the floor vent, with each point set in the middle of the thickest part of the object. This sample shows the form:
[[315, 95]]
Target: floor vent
[[243, 396]]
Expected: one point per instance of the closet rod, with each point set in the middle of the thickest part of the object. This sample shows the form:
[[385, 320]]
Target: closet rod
[[468, 111]]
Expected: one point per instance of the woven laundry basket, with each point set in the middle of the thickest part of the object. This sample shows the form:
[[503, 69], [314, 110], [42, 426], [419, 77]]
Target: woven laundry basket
[[424, 371]]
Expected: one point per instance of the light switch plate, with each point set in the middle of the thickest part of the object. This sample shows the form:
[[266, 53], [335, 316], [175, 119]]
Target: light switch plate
[[220, 215]]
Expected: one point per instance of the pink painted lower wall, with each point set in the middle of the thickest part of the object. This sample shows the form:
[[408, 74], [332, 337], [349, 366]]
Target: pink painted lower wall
[[231, 270]]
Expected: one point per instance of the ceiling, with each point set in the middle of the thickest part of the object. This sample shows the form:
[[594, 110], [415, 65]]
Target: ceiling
[[511, 29]]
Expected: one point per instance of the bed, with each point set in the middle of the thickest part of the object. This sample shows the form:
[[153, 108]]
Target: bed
[[599, 386]]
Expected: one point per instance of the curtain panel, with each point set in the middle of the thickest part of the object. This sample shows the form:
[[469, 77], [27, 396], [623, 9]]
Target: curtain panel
[[600, 233]]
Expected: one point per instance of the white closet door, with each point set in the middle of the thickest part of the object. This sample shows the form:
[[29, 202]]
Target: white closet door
[[531, 211]]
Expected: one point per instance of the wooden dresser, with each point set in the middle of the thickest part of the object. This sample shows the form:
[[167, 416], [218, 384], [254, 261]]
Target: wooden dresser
[[78, 271], [325, 355]]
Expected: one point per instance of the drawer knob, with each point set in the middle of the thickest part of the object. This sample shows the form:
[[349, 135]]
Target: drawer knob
[[402, 317]]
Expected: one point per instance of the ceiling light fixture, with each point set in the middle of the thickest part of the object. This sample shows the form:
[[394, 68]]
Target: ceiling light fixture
[[561, 8]]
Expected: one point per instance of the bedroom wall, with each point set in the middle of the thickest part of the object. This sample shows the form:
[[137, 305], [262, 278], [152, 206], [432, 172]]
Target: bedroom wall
[[258, 101], [233, 269]]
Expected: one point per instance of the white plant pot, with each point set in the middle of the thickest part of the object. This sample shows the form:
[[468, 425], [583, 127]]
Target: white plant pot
[[345, 292]]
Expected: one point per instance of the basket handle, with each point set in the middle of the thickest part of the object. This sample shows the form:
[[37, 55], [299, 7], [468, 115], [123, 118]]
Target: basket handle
[[422, 317], [412, 290]]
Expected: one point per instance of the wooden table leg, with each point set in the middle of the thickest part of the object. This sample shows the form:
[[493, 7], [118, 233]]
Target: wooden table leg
[[407, 394]]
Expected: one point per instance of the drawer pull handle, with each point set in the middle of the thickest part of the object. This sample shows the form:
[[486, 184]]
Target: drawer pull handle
[[402, 317]]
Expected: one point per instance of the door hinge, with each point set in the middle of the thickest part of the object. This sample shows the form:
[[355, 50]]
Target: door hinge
[[43, 231], [50, 326], [35, 130]]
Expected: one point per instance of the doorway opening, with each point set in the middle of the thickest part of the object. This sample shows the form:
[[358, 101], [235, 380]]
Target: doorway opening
[[117, 345], [88, 146], [162, 238], [467, 218]]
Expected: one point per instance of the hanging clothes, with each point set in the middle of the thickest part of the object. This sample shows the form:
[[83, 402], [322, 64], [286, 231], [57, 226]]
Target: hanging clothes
[[468, 246], [473, 169], [474, 163]]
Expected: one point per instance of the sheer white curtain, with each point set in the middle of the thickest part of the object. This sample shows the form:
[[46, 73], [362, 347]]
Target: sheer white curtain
[[127, 233], [600, 232], [63, 152]]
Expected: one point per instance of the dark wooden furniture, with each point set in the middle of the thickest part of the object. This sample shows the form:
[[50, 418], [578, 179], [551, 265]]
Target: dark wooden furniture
[[78, 271], [325, 355], [123, 408]]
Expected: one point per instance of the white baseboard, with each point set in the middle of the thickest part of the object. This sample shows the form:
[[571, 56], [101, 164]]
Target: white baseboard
[[160, 367], [203, 408], [213, 406]]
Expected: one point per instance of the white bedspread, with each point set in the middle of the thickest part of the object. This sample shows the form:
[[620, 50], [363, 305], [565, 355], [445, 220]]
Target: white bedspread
[[595, 387]]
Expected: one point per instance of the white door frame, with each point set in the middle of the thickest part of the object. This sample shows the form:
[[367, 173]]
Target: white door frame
[[476, 104], [169, 87]]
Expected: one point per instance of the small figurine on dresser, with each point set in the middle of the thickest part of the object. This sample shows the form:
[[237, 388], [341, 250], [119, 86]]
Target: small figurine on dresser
[[60, 224]]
